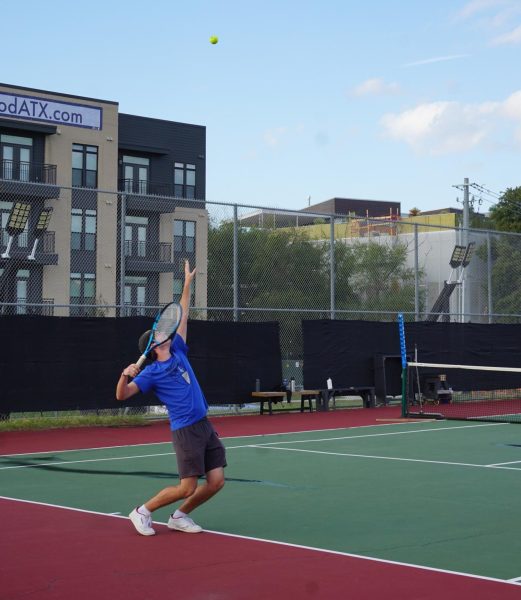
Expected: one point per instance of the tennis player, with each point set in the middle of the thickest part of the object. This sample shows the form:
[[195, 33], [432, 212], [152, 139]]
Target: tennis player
[[197, 447]]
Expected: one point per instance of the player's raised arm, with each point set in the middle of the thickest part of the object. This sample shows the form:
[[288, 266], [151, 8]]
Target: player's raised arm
[[185, 300], [125, 389]]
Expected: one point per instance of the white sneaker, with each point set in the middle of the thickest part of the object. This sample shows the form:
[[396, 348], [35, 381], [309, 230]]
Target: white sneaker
[[142, 523], [183, 524]]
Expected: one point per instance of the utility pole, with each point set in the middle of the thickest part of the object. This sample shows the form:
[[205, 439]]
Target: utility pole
[[464, 241], [466, 210], [466, 225]]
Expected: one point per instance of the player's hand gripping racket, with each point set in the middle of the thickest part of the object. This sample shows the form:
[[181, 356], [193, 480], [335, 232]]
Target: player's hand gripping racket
[[163, 329]]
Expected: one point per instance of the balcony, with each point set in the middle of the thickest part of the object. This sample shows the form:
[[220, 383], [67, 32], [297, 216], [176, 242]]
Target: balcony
[[151, 257], [22, 246], [143, 187], [138, 310], [153, 197], [29, 179]]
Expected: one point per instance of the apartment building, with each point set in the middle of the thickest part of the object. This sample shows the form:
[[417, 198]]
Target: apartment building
[[98, 208]]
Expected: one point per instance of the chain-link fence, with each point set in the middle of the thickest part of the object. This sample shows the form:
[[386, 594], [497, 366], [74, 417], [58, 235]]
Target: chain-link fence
[[77, 251]]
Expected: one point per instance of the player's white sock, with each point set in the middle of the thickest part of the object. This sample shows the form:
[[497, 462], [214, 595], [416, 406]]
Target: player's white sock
[[178, 514], [144, 511]]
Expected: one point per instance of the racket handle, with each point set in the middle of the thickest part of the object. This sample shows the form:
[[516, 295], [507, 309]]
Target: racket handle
[[141, 360]]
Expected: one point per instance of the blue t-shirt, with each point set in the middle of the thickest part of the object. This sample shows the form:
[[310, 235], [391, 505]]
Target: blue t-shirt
[[174, 383]]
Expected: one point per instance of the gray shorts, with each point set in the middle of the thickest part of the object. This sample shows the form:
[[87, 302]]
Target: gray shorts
[[198, 449]]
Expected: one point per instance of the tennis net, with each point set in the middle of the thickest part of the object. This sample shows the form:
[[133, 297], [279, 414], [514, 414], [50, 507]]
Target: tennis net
[[463, 392]]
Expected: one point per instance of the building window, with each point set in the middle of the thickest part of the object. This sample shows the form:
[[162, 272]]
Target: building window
[[177, 289], [83, 229], [184, 180], [135, 296], [135, 170], [136, 236], [5, 211], [84, 166], [22, 285], [82, 291], [184, 237], [15, 155]]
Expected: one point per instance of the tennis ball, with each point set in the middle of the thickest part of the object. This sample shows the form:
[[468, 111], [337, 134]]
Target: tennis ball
[[214, 39]]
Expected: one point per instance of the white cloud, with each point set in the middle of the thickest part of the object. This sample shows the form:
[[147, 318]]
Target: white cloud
[[476, 6], [273, 137], [491, 16], [511, 107], [511, 37], [428, 61], [375, 87], [452, 127]]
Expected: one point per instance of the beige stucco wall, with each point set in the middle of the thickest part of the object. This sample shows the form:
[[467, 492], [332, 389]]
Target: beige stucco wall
[[166, 228], [58, 151]]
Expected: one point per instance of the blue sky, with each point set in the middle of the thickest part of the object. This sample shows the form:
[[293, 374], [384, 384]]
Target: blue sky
[[384, 99]]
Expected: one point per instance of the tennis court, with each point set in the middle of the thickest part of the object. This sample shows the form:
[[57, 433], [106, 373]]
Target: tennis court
[[377, 510]]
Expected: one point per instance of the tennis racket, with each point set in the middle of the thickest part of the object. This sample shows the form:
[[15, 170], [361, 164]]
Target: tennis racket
[[163, 329]]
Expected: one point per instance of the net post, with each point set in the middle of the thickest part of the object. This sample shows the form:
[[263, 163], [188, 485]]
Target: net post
[[403, 354]]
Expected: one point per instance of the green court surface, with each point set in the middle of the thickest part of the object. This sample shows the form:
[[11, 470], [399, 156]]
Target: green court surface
[[438, 494]]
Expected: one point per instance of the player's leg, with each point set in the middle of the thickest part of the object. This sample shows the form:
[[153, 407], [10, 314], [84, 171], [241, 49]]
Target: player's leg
[[173, 493], [141, 516], [211, 455], [180, 520], [214, 483]]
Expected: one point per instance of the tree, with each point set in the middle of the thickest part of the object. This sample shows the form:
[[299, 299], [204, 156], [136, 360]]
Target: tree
[[372, 276], [506, 254], [506, 214], [281, 270]]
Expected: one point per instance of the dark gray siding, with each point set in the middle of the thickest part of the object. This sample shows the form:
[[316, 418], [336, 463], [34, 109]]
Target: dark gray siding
[[165, 142], [361, 208]]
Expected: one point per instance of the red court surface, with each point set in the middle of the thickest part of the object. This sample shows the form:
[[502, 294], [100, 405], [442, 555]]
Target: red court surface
[[96, 437], [56, 553]]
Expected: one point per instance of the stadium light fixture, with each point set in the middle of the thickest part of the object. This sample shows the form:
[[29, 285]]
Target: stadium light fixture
[[16, 223], [458, 255], [468, 254], [40, 228]]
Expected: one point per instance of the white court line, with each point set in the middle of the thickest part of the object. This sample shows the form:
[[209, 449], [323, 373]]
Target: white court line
[[230, 437], [418, 460], [87, 460], [512, 462], [266, 445], [287, 544], [368, 435], [514, 580], [82, 449]]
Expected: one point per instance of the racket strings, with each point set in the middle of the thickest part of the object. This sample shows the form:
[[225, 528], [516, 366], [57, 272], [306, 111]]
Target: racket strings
[[168, 321]]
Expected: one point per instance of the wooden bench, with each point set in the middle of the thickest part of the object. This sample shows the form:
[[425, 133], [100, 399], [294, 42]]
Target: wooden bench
[[274, 397], [365, 391]]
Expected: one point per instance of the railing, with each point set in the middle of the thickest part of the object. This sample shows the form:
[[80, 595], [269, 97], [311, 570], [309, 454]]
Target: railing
[[48, 241], [27, 172], [47, 310], [151, 188], [23, 241], [45, 307], [158, 251], [134, 310], [145, 187]]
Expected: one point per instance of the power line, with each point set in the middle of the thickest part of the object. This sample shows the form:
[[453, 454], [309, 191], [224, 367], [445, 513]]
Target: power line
[[487, 195], [485, 191]]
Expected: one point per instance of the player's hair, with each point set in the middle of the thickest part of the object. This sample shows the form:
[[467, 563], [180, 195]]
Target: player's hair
[[143, 341]]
